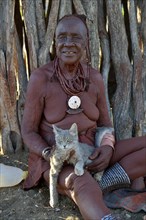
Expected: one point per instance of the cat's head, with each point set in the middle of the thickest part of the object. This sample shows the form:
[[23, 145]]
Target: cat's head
[[66, 139]]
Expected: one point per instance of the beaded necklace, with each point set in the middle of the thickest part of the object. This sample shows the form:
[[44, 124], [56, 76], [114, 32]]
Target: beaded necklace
[[77, 84], [73, 87]]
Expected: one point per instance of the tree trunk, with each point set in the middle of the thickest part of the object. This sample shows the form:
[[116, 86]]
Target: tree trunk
[[105, 48], [117, 37], [123, 70], [137, 82], [11, 138], [91, 8], [143, 40]]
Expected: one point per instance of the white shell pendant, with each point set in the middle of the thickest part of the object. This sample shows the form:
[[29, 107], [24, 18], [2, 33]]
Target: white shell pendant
[[74, 102], [74, 105]]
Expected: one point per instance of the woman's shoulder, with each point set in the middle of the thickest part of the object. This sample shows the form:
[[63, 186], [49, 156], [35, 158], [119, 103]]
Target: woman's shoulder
[[94, 74], [43, 72]]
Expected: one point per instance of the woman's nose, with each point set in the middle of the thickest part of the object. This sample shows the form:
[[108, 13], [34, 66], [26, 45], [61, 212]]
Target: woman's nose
[[69, 41]]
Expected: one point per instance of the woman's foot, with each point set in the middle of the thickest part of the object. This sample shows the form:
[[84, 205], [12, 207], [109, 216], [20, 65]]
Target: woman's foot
[[138, 184]]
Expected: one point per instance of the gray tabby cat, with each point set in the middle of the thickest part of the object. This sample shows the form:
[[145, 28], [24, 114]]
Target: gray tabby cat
[[69, 149]]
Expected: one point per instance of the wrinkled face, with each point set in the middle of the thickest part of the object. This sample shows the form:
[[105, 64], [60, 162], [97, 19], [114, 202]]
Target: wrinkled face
[[71, 40]]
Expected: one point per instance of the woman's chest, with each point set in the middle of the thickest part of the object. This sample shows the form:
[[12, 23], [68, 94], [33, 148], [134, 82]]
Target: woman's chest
[[57, 102]]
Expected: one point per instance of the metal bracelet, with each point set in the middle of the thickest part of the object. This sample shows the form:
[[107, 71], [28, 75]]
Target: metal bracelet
[[45, 151]]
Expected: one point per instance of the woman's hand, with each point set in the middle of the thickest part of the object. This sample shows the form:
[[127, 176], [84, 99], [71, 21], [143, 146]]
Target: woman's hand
[[100, 158]]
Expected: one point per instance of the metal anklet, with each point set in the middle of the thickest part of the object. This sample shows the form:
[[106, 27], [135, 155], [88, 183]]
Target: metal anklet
[[113, 178], [111, 217]]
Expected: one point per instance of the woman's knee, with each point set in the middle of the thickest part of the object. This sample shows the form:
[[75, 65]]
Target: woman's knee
[[76, 184]]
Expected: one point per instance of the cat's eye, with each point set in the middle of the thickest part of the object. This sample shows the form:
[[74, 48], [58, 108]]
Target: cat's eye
[[69, 141], [59, 141]]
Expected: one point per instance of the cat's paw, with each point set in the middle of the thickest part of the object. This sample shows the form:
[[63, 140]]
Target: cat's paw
[[79, 172]]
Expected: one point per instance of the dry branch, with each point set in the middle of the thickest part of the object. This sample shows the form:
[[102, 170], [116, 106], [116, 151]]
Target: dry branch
[[65, 8], [79, 7], [40, 21], [143, 33], [138, 91], [123, 71], [9, 49], [105, 48], [9, 122], [31, 32], [21, 77], [44, 56], [91, 9]]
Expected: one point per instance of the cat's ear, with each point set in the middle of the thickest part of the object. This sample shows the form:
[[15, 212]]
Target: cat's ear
[[55, 129], [73, 129]]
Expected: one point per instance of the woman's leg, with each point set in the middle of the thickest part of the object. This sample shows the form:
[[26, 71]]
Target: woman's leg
[[128, 146], [131, 155], [138, 184], [84, 191]]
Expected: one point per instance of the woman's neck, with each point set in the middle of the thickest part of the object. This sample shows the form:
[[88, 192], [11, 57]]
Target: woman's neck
[[69, 71]]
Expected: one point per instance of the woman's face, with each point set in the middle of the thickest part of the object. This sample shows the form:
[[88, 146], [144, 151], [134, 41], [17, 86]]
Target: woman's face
[[71, 40]]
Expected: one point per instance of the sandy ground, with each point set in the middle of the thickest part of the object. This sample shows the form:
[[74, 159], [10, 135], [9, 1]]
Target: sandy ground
[[17, 204]]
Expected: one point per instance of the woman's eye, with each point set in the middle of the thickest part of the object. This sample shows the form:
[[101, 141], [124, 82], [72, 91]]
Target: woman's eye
[[76, 38], [61, 37]]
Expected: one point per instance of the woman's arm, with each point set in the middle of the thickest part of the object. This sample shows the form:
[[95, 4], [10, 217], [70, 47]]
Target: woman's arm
[[33, 111], [103, 153], [104, 118]]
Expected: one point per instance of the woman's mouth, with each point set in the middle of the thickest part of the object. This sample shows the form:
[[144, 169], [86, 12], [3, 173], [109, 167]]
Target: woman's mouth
[[68, 52]]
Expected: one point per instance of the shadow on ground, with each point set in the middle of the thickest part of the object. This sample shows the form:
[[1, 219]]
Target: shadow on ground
[[17, 204]]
